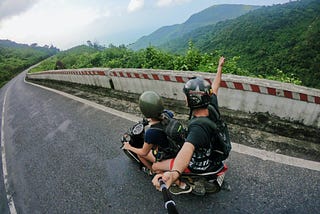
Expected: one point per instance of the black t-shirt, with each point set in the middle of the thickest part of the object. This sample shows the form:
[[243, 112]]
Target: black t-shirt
[[200, 137]]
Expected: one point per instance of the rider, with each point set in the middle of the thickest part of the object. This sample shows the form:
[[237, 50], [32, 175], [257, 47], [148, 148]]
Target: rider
[[195, 152], [155, 140]]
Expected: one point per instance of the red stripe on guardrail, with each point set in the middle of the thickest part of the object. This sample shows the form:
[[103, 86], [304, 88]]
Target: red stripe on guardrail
[[255, 88], [145, 76], [155, 77], [223, 84], [179, 79], [288, 94], [136, 75], [272, 91], [209, 80], [166, 77], [182, 79], [238, 86], [303, 97]]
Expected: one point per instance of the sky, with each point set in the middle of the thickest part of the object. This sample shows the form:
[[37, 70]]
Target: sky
[[68, 23]]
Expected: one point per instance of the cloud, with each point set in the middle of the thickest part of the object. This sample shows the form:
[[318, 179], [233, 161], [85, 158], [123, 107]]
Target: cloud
[[9, 8], [56, 22], [135, 5], [165, 3]]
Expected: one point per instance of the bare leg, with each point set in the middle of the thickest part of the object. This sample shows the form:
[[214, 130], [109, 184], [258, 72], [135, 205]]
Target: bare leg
[[161, 166], [148, 160]]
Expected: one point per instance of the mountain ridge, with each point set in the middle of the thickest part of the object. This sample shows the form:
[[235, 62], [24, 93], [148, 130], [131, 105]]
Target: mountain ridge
[[208, 16], [271, 40]]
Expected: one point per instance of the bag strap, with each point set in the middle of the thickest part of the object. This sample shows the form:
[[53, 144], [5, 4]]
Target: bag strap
[[157, 126], [203, 121], [213, 110]]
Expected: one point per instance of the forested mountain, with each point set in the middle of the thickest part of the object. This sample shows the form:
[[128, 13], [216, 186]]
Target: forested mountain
[[15, 57], [270, 40], [206, 17]]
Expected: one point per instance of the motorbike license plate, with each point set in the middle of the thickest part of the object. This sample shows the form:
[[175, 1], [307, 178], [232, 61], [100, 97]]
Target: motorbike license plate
[[220, 179]]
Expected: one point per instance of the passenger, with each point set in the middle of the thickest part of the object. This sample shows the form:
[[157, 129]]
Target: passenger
[[155, 140], [195, 152]]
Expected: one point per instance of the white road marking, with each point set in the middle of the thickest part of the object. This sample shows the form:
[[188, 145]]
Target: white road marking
[[275, 157], [239, 148], [4, 162]]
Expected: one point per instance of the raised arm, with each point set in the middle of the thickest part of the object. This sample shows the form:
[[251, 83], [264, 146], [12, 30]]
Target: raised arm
[[217, 80]]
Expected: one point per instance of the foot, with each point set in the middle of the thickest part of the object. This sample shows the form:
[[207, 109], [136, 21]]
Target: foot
[[199, 188], [180, 189], [147, 171]]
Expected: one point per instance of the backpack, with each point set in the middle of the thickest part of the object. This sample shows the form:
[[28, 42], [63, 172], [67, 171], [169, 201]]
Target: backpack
[[175, 132], [220, 142]]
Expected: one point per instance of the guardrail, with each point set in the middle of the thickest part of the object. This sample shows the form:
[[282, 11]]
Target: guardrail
[[288, 101]]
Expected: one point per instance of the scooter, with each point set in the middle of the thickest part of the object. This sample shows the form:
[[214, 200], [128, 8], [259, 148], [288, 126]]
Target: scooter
[[212, 180]]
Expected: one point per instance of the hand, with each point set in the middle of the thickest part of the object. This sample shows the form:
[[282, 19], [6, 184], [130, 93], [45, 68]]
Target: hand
[[126, 145], [167, 177], [221, 61]]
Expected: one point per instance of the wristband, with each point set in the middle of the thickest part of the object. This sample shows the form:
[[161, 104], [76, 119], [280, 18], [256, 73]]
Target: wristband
[[175, 170]]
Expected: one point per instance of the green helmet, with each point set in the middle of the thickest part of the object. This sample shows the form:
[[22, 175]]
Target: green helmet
[[151, 104]]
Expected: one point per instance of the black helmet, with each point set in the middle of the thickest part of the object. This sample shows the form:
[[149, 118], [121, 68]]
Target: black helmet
[[151, 104], [198, 92]]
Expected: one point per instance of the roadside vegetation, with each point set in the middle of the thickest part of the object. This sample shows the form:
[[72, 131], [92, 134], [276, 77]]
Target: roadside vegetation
[[89, 56], [14, 58]]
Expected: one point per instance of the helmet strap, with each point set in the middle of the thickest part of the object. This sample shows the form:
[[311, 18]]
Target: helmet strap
[[190, 113]]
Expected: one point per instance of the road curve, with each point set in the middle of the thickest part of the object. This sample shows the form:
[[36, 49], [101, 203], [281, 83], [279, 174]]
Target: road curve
[[63, 156]]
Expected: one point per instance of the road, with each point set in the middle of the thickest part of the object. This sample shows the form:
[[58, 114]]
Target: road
[[64, 156]]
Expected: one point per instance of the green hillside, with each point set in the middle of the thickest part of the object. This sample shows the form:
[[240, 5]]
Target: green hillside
[[15, 57], [81, 56], [270, 40], [206, 17]]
